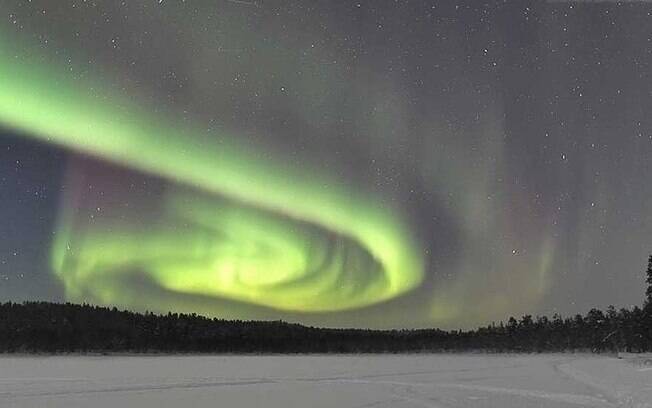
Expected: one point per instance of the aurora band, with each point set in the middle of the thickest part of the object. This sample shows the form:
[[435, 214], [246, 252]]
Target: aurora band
[[278, 223]]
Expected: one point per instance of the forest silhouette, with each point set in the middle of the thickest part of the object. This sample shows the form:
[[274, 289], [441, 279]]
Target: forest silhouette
[[61, 328]]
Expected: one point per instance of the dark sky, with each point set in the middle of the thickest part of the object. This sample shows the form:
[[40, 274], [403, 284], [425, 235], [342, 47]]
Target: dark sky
[[372, 163]]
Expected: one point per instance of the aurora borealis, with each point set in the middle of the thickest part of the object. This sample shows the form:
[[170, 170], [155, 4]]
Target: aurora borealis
[[251, 255], [342, 164]]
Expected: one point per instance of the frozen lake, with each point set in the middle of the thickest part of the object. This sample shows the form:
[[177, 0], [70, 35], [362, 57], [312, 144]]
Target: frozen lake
[[324, 381]]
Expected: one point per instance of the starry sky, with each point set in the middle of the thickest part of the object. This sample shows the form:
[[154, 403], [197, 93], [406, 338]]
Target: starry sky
[[333, 163]]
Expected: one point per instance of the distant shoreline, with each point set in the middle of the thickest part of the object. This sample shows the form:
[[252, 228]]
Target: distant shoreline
[[388, 354], [42, 328]]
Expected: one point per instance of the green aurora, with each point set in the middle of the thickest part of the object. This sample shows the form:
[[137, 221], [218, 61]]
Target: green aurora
[[234, 223], [340, 164]]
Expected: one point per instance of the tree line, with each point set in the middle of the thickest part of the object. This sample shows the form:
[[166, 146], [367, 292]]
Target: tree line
[[59, 328]]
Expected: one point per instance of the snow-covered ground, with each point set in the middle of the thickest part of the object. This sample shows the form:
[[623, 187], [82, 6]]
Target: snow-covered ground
[[311, 381]]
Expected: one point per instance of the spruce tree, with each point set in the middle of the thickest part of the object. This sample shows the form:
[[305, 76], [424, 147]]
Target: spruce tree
[[648, 292]]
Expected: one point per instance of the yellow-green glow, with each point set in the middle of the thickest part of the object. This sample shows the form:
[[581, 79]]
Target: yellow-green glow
[[236, 224]]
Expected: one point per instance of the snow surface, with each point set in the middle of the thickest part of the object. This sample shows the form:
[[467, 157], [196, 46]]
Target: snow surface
[[417, 380]]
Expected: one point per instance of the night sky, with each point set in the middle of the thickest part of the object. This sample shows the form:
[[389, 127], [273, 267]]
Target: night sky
[[333, 163]]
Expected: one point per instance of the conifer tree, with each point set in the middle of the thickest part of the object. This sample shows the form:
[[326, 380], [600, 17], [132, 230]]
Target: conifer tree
[[648, 292]]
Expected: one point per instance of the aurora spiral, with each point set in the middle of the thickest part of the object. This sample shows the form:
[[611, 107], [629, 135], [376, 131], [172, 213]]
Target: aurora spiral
[[250, 229], [371, 164]]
